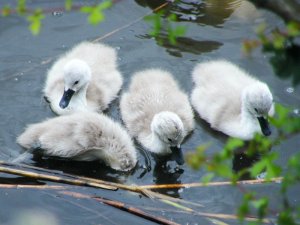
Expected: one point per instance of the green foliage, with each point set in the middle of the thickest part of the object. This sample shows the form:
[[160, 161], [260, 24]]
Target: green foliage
[[156, 21], [174, 32], [244, 208], [96, 14], [161, 25], [286, 218], [35, 17], [276, 40], [35, 21], [68, 4], [21, 7], [286, 125], [6, 10]]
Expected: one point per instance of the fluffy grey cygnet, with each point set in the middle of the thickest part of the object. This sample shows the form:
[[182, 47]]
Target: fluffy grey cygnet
[[83, 136], [156, 112], [86, 78], [231, 100]]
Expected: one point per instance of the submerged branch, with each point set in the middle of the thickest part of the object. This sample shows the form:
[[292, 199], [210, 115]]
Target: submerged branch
[[29, 186], [124, 207], [9, 168], [222, 183], [210, 215], [54, 178]]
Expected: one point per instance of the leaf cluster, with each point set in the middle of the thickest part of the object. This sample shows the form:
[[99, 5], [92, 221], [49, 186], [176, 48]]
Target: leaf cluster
[[218, 165]]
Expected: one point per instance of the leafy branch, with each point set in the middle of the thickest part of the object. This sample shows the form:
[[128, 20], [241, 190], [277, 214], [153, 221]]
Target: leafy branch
[[287, 125], [35, 17]]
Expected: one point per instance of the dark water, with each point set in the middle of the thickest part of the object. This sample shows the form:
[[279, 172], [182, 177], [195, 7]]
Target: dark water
[[215, 30]]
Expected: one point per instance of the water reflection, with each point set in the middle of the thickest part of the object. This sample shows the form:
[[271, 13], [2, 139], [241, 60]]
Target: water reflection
[[184, 44], [209, 12], [166, 172], [243, 161], [286, 63], [93, 169]]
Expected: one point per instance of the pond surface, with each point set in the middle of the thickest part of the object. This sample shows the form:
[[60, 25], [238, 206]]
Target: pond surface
[[216, 29]]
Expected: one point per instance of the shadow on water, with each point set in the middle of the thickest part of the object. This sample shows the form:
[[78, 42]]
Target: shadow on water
[[209, 12], [93, 169], [286, 64], [184, 44], [166, 172]]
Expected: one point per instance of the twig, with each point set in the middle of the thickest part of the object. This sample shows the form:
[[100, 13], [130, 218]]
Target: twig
[[222, 183], [55, 178], [124, 207], [209, 215], [83, 181], [21, 186], [131, 23]]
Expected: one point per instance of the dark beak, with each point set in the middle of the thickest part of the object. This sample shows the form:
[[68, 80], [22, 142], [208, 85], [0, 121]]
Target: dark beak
[[264, 125], [66, 98], [177, 155]]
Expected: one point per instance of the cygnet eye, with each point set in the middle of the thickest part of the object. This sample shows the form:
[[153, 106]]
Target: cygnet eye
[[256, 110], [76, 82], [169, 139]]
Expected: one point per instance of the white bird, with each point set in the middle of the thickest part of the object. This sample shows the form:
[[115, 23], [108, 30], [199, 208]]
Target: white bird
[[82, 136], [157, 113], [231, 100], [86, 78]]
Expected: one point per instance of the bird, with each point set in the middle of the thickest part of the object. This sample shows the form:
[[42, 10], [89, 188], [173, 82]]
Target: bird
[[82, 136], [231, 100], [85, 78], [157, 112]]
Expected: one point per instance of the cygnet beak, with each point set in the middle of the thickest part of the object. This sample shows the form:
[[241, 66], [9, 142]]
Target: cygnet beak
[[66, 98], [264, 125], [177, 154]]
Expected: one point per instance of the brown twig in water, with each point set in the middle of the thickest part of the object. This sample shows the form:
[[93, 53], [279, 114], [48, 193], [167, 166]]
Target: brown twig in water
[[54, 178], [25, 186], [124, 207], [209, 215], [131, 23], [222, 183]]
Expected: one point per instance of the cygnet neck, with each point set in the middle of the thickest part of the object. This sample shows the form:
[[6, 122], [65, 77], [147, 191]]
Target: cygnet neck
[[79, 100], [248, 122]]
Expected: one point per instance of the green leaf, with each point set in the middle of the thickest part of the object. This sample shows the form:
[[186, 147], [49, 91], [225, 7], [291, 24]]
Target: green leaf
[[35, 21], [234, 143], [68, 4], [6, 10], [105, 5], [278, 41], [261, 205], [286, 218], [207, 178], [197, 158], [180, 31], [244, 208], [257, 168], [96, 14], [155, 19], [293, 29], [21, 6]]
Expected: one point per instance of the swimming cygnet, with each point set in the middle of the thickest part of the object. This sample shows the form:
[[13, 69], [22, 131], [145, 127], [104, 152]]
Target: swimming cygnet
[[82, 136], [86, 78], [157, 113], [231, 100]]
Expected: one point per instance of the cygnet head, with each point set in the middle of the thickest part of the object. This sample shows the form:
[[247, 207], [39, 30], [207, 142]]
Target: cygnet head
[[77, 75], [168, 127], [258, 101]]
